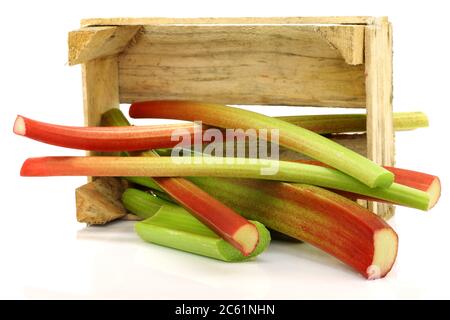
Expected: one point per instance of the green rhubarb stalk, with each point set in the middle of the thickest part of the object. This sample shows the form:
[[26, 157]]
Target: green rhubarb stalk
[[172, 226], [290, 136], [341, 123], [143, 204], [146, 182], [114, 118]]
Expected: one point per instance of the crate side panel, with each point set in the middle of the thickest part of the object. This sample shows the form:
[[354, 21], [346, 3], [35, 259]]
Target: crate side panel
[[277, 65]]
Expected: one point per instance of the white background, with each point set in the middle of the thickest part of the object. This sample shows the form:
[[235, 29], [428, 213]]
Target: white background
[[45, 253]]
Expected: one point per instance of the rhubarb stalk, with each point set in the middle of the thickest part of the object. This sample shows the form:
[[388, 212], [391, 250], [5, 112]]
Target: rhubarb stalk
[[172, 226], [324, 219], [323, 123], [290, 136], [220, 167], [342, 123], [419, 180], [107, 139], [413, 179]]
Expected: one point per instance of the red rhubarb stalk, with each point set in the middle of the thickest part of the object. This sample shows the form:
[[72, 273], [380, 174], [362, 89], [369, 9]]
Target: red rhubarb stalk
[[231, 226], [107, 139]]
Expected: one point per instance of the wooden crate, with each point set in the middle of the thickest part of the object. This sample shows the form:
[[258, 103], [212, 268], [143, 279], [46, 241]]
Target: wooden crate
[[299, 61]]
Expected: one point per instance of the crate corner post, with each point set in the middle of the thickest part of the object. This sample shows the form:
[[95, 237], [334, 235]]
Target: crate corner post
[[97, 49], [379, 90]]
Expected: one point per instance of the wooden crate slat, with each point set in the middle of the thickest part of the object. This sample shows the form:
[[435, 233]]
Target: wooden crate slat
[[245, 20], [95, 42], [278, 65]]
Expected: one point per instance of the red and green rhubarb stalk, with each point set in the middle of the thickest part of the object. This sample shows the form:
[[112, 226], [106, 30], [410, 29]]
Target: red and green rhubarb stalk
[[425, 182], [172, 226], [322, 218], [107, 139], [220, 167], [418, 180], [290, 136]]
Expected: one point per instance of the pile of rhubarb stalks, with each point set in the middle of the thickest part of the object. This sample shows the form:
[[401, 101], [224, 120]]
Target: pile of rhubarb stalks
[[225, 208]]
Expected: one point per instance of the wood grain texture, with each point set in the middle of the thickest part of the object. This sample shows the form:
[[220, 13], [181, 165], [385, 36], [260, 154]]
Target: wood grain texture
[[278, 65], [98, 202], [95, 42], [349, 41], [100, 89], [380, 132], [245, 20]]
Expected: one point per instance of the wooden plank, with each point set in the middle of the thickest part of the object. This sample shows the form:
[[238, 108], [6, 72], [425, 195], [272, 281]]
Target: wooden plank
[[246, 20], [95, 42], [100, 89], [380, 132], [98, 202], [349, 41], [279, 65]]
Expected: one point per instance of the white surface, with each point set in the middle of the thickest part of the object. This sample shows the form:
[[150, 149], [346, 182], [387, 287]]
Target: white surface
[[45, 253]]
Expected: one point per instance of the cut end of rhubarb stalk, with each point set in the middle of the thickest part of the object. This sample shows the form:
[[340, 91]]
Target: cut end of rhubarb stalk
[[384, 180], [434, 191], [247, 237], [385, 251], [19, 126]]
